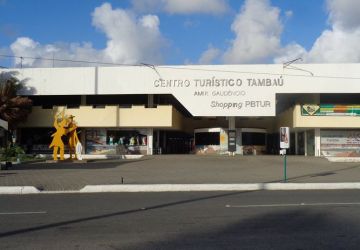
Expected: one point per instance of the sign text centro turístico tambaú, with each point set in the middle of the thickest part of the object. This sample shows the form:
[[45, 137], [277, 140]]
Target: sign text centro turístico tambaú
[[224, 96]]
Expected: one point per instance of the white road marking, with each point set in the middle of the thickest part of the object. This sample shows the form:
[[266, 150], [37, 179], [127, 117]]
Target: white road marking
[[295, 204], [21, 213]]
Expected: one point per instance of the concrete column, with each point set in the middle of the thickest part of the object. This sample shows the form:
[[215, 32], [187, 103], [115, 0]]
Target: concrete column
[[83, 100], [296, 143], [163, 148], [239, 142], [305, 143], [96, 87], [82, 140], [317, 142], [232, 126], [317, 99], [150, 137], [157, 138], [150, 103], [231, 123]]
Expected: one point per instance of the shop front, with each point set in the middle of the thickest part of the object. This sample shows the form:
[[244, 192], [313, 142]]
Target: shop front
[[249, 141], [116, 141], [340, 143], [96, 141]]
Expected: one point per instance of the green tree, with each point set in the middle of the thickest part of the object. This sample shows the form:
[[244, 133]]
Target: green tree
[[13, 108]]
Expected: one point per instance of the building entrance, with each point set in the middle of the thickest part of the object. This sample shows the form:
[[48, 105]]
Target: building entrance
[[172, 142]]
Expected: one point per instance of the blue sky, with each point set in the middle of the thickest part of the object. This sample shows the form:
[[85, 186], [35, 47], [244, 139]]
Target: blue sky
[[179, 32]]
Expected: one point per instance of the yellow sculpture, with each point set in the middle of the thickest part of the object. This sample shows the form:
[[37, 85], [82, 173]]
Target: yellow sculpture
[[72, 135], [57, 142], [65, 126]]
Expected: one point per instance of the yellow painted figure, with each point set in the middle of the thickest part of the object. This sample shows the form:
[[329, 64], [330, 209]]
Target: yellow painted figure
[[57, 142], [72, 135]]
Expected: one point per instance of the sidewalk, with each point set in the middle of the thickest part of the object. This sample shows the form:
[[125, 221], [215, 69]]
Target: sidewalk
[[179, 169]]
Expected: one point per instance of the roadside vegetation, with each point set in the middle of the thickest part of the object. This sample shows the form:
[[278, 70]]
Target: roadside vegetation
[[14, 109]]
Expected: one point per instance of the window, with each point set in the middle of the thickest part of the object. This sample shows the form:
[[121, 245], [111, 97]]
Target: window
[[207, 138], [252, 138]]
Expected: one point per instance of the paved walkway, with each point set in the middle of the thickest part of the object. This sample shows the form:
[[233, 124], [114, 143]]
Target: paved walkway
[[178, 169]]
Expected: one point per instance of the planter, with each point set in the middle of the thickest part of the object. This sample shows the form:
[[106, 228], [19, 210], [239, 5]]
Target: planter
[[6, 166]]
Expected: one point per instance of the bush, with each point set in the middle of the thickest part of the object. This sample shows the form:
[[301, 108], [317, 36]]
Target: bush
[[12, 153]]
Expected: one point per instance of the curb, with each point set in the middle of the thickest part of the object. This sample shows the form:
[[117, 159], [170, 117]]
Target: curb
[[19, 190], [218, 187], [343, 159], [97, 157], [185, 188]]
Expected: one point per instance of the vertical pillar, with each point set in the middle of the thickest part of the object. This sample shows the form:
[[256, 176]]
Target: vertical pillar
[[231, 122], [83, 100], [238, 141], [14, 138], [232, 126], [296, 143], [158, 139], [18, 135], [150, 137], [96, 87], [316, 98], [305, 143], [158, 142], [317, 142], [163, 150], [150, 102], [82, 140]]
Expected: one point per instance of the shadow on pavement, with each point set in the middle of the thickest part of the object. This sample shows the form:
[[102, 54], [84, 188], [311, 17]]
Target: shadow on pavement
[[70, 165], [280, 229], [6, 174], [296, 229], [121, 213], [319, 174]]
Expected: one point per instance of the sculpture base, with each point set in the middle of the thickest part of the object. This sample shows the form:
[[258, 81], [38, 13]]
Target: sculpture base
[[67, 161]]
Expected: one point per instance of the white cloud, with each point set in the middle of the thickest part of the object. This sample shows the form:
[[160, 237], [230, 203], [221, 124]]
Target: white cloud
[[209, 56], [339, 43], [31, 50], [214, 7], [258, 28], [289, 53], [130, 40], [257, 31], [289, 13], [344, 14], [257, 36], [336, 46]]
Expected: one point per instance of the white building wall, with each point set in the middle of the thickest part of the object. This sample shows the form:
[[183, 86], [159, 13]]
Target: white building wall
[[58, 81], [199, 96]]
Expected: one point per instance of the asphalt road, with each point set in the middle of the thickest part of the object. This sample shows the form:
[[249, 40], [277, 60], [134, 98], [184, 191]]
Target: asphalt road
[[191, 220]]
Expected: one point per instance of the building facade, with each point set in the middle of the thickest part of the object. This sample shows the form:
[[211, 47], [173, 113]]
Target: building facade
[[190, 109]]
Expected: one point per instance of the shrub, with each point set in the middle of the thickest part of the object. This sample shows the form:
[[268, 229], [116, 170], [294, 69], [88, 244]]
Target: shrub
[[12, 153]]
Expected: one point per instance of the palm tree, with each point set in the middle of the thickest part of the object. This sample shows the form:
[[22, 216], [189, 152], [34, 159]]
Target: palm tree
[[13, 108]]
